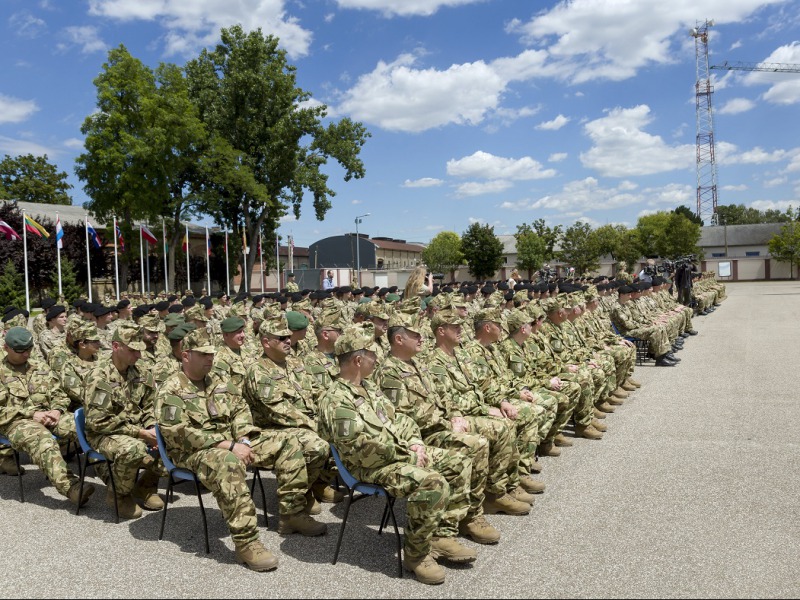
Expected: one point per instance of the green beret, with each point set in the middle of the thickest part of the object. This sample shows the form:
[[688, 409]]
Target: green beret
[[360, 336], [130, 334], [19, 339], [180, 331], [198, 341], [232, 324], [296, 320], [173, 320], [392, 298]]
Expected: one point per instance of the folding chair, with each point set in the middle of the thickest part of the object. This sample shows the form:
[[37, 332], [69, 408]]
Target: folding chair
[[6, 443], [365, 490], [91, 458]]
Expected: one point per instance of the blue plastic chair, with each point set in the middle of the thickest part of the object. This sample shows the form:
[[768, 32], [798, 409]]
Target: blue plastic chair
[[91, 458], [365, 490], [5, 442]]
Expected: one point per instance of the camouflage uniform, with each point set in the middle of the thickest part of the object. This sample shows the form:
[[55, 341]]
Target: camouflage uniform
[[230, 364], [49, 339]]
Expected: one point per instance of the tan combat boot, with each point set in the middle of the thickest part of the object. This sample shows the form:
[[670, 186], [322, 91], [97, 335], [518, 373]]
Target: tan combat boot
[[505, 504], [562, 441], [598, 414], [8, 466], [449, 548], [548, 449], [325, 493], [427, 570], [628, 387], [536, 467], [256, 557], [75, 489], [312, 506], [606, 407], [300, 523], [588, 432], [614, 401], [126, 505], [601, 427], [479, 529], [620, 393], [633, 382], [530, 485], [146, 491], [520, 495]]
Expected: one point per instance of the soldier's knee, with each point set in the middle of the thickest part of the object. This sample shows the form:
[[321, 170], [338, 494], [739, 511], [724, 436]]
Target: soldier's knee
[[432, 493]]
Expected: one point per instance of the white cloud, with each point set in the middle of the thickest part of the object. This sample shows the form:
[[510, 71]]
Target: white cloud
[[422, 183], [476, 188], [734, 188], [14, 110], [784, 87], [487, 166], [646, 213], [195, 24], [557, 157], [735, 45], [26, 25], [15, 147], [728, 155], [74, 144], [555, 124], [736, 106], [403, 8], [623, 149], [775, 204], [775, 182], [357, 202], [433, 227], [87, 37]]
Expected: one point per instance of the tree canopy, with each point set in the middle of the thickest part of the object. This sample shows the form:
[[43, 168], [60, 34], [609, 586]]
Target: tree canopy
[[482, 250], [785, 246], [443, 254], [739, 214], [29, 178], [532, 249], [579, 248]]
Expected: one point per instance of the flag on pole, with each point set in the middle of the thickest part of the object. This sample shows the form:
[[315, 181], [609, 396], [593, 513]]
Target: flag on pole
[[185, 245], [208, 242], [148, 235], [59, 233], [33, 227], [93, 236], [120, 240], [8, 231]]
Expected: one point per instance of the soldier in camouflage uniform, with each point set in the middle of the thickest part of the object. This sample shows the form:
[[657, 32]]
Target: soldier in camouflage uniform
[[207, 427], [229, 359], [291, 284], [168, 366], [120, 423], [454, 380], [405, 380], [656, 336], [53, 334], [382, 447], [79, 363], [280, 395], [33, 408], [321, 362]]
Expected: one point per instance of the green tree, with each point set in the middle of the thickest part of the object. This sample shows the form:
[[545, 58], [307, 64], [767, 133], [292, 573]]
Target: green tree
[[579, 248], [689, 214], [482, 250], [550, 235], [531, 249], [30, 178], [71, 290], [668, 235], [739, 214], [12, 287], [277, 146], [785, 246], [443, 254], [630, 249]]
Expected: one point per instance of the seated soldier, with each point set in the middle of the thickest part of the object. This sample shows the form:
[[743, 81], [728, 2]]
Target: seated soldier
[[384, 448], [33, 408]]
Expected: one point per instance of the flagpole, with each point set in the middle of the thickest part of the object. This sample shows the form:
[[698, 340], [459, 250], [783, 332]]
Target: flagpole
[[147, 258], [291, 253], [58, 254], [116, 261], [278, 259], [244, 259], [88, 263], [188, 277], [164, 233], [227, 268], [208, 266], [261, 260], [141, 256], [25, 244]]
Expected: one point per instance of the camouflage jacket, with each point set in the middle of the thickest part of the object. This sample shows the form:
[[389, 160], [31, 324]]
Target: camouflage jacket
[[322, 368], [453, 380], [74, 376], [31, 388], [165, 368], [49, 339], [489, 370], [193, 419], [231, 365], [519, 361], [563, 341], [280, 395]]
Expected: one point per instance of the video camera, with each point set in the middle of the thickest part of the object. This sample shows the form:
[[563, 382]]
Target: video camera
[[439, 276], [545, 273]]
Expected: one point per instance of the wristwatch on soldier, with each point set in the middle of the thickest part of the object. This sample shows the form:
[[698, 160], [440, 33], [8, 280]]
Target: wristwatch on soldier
[[245, 441]]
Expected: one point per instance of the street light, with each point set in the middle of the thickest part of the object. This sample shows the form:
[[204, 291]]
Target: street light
[[358, 250]]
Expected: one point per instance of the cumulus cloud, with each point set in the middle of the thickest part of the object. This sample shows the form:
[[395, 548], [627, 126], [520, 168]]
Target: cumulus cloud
[[729, 155], [87, 37], [621, 147], [736, 106], [16, 147], [477, 188], [557, 157], [14, 110], [357, 202], [422, 183], [783, 88], [403, 8], [27, 25], [74, 144], [195, 24], [775, 204], [553, 125], [487, 166], [734, 188], [775, 182]]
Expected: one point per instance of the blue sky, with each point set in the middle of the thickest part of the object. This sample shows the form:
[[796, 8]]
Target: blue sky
[[498, 111]]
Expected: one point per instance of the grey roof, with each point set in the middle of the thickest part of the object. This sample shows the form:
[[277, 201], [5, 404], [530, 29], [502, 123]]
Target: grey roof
[[509, 243], [739, 235]]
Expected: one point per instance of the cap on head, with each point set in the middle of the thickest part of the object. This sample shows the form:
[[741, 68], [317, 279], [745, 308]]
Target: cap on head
[[360, 336], [232, 324], [19, 339], [129, 334], [198, 341], [275, 325]]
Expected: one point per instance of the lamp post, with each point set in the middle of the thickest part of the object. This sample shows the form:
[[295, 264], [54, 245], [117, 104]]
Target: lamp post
[[358, 250]]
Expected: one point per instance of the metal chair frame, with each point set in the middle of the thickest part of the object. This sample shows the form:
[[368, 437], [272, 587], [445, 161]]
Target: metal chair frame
[[91, 458], [5, 442]]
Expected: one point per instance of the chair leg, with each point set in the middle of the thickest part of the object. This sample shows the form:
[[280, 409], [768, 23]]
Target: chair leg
[[164, 512], [263, 497], [82, 466], [349, 501], [202, 513], [384, 516], [390, 505]]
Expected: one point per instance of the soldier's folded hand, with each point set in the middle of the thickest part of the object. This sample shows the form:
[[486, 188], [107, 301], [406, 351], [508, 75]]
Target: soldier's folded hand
[[243, 453]]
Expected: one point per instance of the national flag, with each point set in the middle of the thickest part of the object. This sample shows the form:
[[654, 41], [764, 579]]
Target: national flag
[[34, 228], [208, 243], [8, 231], [120, 240], [185, 245], [245, 249], [93, 236], [148, 235], [59, 233]]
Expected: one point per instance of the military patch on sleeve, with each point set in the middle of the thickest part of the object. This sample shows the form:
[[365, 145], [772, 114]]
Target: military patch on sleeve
[[343, 428], [99, 398], [170, 413]]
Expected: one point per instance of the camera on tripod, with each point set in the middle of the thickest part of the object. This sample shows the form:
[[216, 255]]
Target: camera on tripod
[[545, 273]]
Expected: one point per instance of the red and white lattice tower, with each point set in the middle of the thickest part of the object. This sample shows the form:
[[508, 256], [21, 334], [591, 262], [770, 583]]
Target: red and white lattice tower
[[706, 153]]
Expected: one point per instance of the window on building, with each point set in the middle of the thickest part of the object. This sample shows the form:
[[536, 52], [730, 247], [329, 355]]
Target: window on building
[[754, 253], [505, 260], [717, 255]]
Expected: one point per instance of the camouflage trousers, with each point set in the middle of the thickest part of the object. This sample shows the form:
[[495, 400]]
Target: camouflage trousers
[[316, 453], [282, 451], [474, 447], [437, 496], [656, 338], [127, 455], [563, 402], [624, 358], [583, 381], [37, 441], [501, 475]]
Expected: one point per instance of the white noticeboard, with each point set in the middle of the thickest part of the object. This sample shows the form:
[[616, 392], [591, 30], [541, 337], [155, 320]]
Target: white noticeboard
[[724, 269]]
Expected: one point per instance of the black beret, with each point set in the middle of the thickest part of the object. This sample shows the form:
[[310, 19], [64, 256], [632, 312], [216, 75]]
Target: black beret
[[392, 289], [172, 298], [140, 311], [206, 302], [163, 305], [368, 293], [282, 299], [10, 314], [78, 303], [509, 295], [124, 303], [175, 308], [101, 311], [9, 309], [487, 289], [297, 297], [189, 301], [357, 291], [48, 303], [502, 286], [383, 291], [89, 307], [626, 289], [344, 289], [54, 311]]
